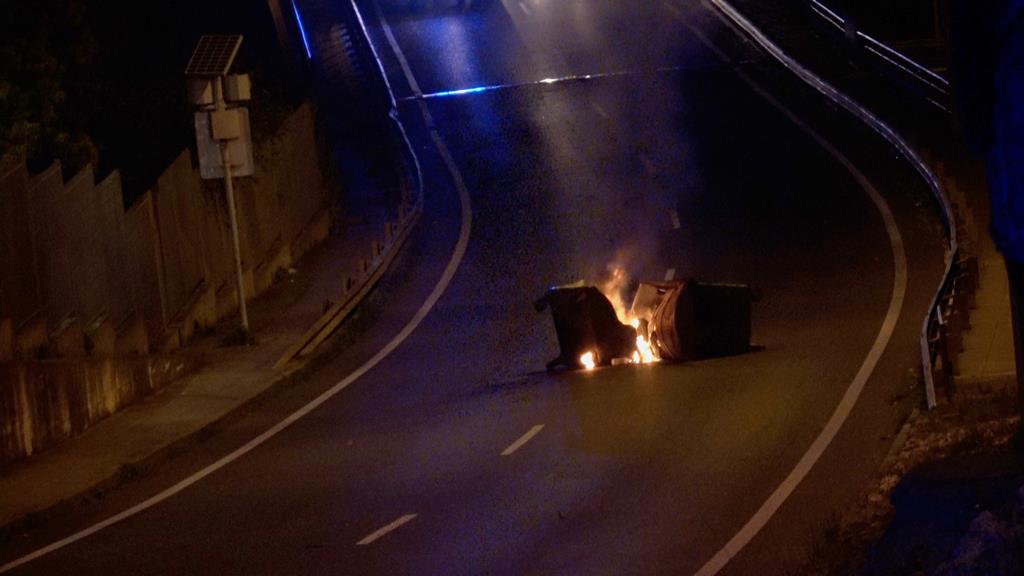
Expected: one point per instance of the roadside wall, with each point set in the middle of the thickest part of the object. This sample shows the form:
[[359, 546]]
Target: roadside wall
[[42, 403], [70, 250], [19, 286], [91, 293]]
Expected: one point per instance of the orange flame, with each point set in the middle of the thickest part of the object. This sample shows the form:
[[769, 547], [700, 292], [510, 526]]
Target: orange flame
[[614, 288]]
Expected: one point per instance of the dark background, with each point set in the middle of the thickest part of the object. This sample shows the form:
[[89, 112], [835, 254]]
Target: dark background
[[102, 81]]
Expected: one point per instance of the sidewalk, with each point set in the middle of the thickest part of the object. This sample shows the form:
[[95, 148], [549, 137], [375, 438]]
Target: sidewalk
[[370, 231], [986, 363], [228, 378]]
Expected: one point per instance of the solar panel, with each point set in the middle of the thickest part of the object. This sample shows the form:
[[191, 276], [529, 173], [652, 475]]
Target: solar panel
[[213, 55]]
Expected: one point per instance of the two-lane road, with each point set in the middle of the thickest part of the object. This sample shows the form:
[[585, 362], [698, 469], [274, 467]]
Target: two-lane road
[[456, 453]]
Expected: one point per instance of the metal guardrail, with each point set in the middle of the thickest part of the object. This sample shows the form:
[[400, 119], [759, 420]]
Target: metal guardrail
[[383, 252], [935, 332], [948, 316], [392, 102], [936, 88]]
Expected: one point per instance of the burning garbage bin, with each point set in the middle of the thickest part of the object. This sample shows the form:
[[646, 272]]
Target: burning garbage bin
[[586, 323], [695, 320]]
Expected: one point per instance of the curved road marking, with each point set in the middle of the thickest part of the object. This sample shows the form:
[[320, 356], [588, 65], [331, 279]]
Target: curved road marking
[[845, 407], [435, 295], [386, 530]]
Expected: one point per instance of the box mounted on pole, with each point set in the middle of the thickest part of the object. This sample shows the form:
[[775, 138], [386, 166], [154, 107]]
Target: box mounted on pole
[[222, 133]]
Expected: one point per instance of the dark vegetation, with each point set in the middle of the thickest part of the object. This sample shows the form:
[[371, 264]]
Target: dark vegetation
[[102, 81]]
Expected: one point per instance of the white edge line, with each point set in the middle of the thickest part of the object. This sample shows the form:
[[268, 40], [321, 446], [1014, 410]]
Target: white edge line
[[845, 407], [897, 141], [522, 440], [406, 70], [386, 530], [846, 102], [442, 284]]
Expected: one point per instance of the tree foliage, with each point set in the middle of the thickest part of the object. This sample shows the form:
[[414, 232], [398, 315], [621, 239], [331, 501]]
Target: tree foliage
[[46, 53], [102, 81]]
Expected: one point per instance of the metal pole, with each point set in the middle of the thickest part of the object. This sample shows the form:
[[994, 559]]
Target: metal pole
[[225, 155]]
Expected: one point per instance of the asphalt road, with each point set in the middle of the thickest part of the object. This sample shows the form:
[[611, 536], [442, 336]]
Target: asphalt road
[[667, 161]]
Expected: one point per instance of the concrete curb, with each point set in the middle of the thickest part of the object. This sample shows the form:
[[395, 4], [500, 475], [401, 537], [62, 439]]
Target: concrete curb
[[383, 254], [901, 437]]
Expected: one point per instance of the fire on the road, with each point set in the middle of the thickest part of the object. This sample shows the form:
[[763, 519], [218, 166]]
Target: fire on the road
[[614, 289], [670, 321]]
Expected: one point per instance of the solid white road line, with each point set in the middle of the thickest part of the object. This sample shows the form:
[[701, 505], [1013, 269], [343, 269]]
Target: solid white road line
[[442, 284], [386, 530], [389, 35], [522, 440], [406, 70], [526, 9], [670, 274], [845, 407]]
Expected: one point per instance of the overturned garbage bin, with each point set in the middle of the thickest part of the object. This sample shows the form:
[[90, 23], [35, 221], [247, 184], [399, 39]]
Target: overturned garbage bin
[[585, 321], [695, 320]]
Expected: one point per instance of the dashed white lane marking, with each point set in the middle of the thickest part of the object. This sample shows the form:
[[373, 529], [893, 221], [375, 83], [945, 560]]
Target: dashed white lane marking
[[454, 262], [526, 9], [676, 225], [386, 530], [522, 440], [845, 407], [600, 111], [670, 274]]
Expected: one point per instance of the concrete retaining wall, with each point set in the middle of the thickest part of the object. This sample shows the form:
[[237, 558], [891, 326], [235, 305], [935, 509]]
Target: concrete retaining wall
[[69, 249], [88, 290], [19, 285], [42, 403]]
